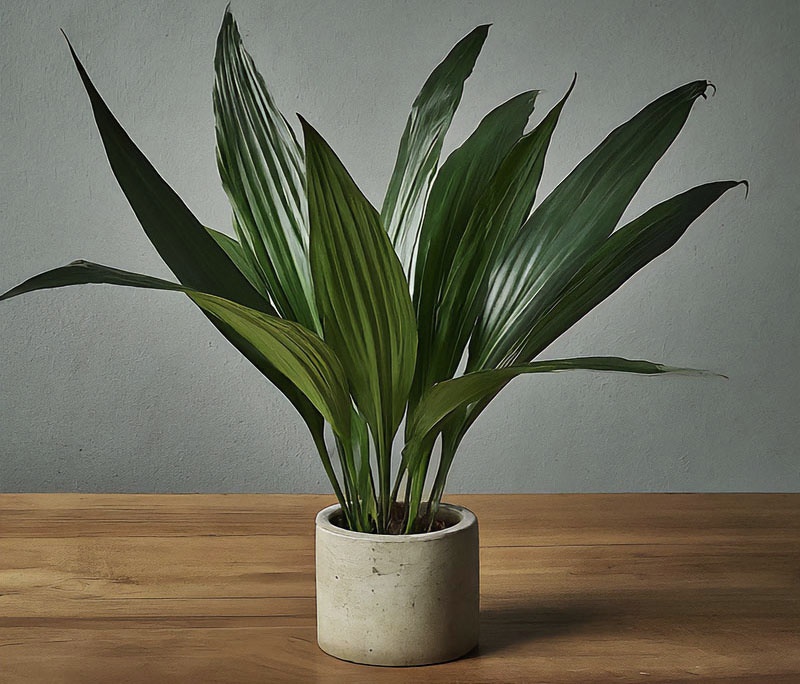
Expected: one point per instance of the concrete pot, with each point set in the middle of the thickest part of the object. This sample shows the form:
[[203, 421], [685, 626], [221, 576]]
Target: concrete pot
[[398, 599]]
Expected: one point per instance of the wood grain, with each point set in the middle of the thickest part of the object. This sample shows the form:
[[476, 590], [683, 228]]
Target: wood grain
[[575, 588]]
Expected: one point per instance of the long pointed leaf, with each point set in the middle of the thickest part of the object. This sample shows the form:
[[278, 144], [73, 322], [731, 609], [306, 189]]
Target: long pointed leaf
[[421, 145], [187, 248], [571, 223], [262, 171], [451, 395], [181, 240], [298, 354], [362, 294], [619, 257], [456, 190]]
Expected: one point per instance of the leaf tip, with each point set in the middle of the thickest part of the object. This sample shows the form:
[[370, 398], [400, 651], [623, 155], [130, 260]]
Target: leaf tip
[[708, 84], [746, 184], [307, 127]]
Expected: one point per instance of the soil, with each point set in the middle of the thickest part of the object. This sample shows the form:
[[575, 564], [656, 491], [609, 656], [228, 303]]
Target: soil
[[397, 520]]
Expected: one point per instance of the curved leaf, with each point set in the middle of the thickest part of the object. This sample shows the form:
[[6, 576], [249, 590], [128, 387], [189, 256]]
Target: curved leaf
[[459, 184], [619, 257], [362, 294], [187, 248], [262, 171], [296, 353], [368, 318], [448, 396], [421, 145]]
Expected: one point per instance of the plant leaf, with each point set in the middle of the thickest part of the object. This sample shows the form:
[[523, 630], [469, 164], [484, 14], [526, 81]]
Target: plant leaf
[[619, 257], [291, 349], [421, 145], [181, 240], [262, 171], [362, 294], [496, 218], [570, 224], [449, 396], [459, 184], [242, 258], [187, 248]]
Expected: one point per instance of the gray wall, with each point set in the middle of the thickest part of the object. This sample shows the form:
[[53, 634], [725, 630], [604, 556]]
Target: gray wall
[[109, 389]]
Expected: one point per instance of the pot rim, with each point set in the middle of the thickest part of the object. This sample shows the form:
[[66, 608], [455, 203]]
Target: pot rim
[[466, 520]]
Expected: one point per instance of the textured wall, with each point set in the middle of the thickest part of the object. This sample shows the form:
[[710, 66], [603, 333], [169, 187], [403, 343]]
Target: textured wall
[[109, 389]]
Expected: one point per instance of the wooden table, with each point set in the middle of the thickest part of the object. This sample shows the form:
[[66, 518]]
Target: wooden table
[[575, 588]]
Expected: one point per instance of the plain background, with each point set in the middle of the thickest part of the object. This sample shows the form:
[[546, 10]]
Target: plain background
[[111, 389]]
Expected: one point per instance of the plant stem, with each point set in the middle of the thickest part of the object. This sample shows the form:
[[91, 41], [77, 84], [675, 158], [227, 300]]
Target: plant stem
[[322, 449]]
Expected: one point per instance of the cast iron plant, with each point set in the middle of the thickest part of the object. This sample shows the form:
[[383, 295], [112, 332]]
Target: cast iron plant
[[425, 309]]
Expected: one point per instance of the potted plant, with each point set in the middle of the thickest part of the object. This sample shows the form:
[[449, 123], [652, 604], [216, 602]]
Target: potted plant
[[363, 318]]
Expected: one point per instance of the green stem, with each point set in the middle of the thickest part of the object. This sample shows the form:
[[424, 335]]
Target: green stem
[[322, 449], [450, 442]]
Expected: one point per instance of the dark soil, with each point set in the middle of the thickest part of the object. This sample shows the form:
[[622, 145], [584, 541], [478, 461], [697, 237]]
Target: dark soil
[[397, 520]]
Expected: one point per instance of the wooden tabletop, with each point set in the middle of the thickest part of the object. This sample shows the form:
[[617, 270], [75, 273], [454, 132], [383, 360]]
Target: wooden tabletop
[[575, 588]]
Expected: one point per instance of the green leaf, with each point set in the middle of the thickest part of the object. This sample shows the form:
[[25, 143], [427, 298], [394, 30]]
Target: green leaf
[[570, 224], [496, 218], [459, 184], [362, 294], [421, 144], [619, 257], [449, 396], [191, 253], [242, 258], [182, 241], [262, 171], [296, 353]]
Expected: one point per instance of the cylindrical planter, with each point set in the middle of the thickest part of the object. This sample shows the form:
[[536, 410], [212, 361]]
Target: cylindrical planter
[[398, 599]]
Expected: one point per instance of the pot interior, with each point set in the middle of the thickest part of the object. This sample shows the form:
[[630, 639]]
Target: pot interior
[[445, 517]]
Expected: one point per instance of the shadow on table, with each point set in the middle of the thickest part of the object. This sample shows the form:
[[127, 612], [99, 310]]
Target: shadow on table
[[506, 626]]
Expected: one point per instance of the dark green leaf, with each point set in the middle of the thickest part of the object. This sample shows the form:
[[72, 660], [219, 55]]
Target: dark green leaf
[[188, 249], [455, 191], [619, 257], [181, 240], [421, 145], [362, 295]]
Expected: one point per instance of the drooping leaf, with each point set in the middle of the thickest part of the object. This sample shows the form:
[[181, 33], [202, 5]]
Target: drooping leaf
[[571, 223], [262, 171], [421, 145], [362, 295], [295, 352], [450, 395], [495, 219]]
